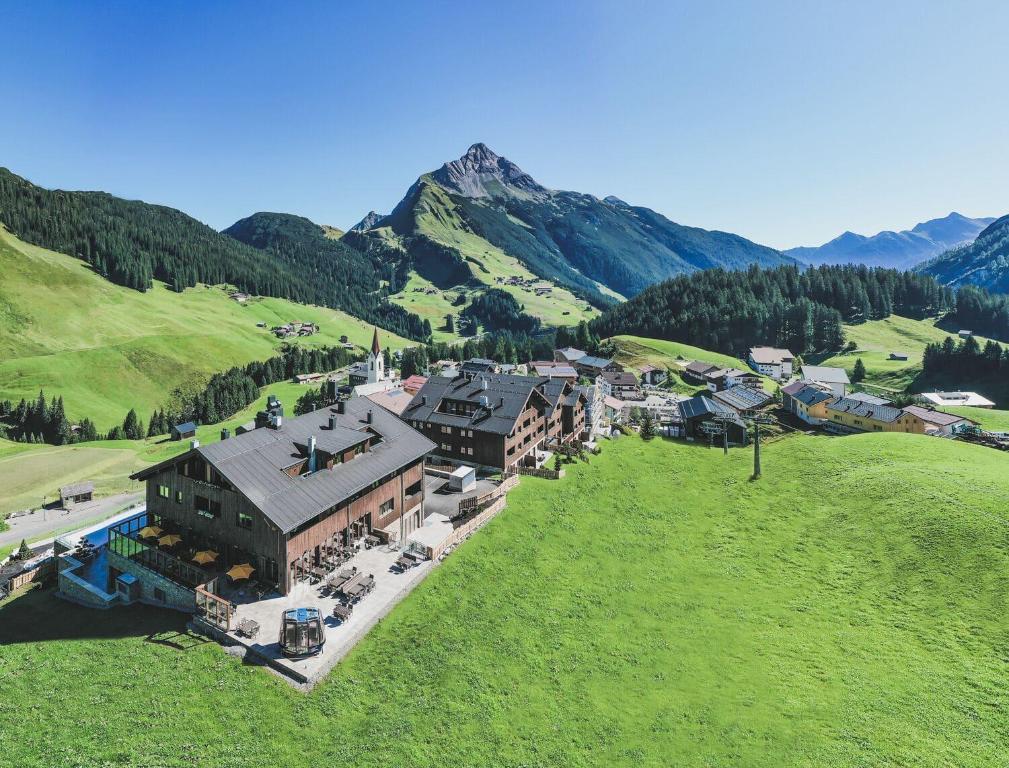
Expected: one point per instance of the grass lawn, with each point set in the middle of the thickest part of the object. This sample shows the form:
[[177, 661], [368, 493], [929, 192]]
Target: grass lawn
[[106, 348], [876, 339], [990, 419], [846, 610]]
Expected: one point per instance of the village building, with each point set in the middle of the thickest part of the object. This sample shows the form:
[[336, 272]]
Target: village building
[[865, 397], [806, 401], [568, 355], [495, 420], [278, 497], [937, 422], [833, 379], [726, 378], [771, 361], [620, 384], [652, 376], [395, 399], [845, 416], [950, 399], [663, 408], [413, 384], [898, 356], [701, 410], [477, 365], [372, 370], [594, 411], [364, 390], [740, 398], [555, 371], [76, 493], [590, 366], [698, 370], [183, 431]]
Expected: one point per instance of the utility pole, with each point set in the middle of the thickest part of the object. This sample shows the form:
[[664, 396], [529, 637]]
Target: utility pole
[[712, 429], [724, 421], [757, 419]]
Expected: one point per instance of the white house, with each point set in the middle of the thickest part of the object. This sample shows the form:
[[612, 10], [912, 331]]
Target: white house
[[834, 379], [773, 362]]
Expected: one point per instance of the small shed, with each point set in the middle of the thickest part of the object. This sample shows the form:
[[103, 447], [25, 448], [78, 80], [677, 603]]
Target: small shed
[[76, 493], [898, 355], [184, 431], [462, 479], [963, 333]]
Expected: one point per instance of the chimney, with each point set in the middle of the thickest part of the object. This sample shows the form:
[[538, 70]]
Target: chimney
[[332, 421], [193, 444], [311, 453], [500, 403], [367, 418], [225, 434], [341, 406], [483, 383]]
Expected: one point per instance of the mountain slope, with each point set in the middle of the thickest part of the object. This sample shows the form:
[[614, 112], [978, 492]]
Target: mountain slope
[[106, 348], [133, 243], [898, 250], [483, 205], [984, 262]]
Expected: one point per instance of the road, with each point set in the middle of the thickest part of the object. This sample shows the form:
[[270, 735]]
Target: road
[[40, 524]]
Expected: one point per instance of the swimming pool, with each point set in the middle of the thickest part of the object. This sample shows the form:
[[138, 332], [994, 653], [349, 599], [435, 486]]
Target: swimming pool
[[96, 570]]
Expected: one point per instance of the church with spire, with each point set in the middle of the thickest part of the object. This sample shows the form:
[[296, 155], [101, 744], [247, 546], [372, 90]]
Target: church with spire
[[376, 362]]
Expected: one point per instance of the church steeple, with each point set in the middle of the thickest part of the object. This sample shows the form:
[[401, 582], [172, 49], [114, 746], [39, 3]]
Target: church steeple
[[375, 346], [376, 361]]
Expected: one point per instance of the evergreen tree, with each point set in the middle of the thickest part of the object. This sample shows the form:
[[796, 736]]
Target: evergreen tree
[[858, 374], [647, 425], [131, 426]]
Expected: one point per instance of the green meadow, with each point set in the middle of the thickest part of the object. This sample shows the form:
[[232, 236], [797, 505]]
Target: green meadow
[[106, 348], [848, 609]]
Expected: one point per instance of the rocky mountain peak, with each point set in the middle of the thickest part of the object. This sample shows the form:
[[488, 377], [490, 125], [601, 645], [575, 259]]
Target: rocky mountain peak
[[483, 173], [368, 222]]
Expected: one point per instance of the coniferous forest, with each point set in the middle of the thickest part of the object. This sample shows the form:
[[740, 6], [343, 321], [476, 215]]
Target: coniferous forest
[[133, 243], [800, 310]]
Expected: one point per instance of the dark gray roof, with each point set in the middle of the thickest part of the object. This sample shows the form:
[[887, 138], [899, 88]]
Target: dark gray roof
[[506, 399], [478, 364], [188, 426], [810, 396], [620, 378], [865, 410], [865, 397], [704, 406], [593, 362], [254, 462], [743, 398], [76, 489], [699, 367]]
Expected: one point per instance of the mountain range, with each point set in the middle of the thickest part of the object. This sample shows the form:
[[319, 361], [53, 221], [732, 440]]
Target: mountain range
[[897, 250], [983, 262], [482, 204]]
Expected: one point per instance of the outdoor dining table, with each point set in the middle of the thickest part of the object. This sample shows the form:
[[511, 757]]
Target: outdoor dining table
[[352, 582], [342, 612], [405, 562]]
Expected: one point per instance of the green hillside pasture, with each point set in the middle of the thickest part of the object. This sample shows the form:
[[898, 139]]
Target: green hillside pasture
[[876, 339], [846, 610], [106, 348], [990, 419], [636, 351]]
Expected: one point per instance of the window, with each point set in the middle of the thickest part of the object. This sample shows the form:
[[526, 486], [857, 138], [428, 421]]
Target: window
[[207, 507], [178, 497], [164, 491], [446, 447], [446, 430], [159, 595], [244, 520], [387, 507]]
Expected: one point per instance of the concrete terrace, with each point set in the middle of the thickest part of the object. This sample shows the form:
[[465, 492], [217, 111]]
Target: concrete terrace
[[391, 586]]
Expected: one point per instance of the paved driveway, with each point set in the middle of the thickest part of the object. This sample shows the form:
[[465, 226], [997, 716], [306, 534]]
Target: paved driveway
[[42, 522]]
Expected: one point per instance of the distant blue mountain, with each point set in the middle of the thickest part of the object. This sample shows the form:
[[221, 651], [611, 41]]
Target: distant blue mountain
[[900, 250]]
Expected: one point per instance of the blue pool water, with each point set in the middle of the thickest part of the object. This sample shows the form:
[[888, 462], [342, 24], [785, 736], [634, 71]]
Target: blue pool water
[[96, 571]]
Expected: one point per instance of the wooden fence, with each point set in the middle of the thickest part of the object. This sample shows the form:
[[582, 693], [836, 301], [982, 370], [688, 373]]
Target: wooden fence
[[464, 530]]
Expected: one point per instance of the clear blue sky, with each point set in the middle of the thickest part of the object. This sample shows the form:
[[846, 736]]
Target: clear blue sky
[[787, 123]]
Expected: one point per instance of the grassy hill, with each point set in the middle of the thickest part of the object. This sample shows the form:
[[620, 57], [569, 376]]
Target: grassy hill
[[29, 472], [106, 348], [846, 610], [636, 351]]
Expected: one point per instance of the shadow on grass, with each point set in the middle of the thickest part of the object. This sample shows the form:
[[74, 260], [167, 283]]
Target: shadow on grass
[[40, 616]]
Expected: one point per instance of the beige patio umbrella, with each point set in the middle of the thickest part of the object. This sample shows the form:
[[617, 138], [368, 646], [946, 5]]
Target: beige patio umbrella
[[205, 556], [149, 532], [170, 540], [242, 571]]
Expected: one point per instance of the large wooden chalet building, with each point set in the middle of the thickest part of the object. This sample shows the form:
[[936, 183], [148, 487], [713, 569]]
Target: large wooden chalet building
[[279, 495], [496, 420]]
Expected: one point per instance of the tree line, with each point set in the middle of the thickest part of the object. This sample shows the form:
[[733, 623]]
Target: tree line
[[965, 359], [800, 310], [983, 312], [132, 243], [495, 309]]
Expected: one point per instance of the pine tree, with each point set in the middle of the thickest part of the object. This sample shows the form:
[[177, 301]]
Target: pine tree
[[858, 374]]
